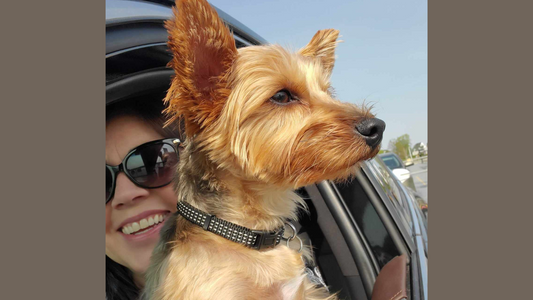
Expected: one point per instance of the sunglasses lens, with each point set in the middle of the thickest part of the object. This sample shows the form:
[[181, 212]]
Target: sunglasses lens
[[108, 183], [152, 165]]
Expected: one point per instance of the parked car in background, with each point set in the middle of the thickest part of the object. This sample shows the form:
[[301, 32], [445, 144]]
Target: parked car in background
[[356, 228], [398, 167]]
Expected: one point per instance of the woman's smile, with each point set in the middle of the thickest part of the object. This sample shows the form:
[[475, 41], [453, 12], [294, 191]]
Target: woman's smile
[[141, 222], [143, 226]]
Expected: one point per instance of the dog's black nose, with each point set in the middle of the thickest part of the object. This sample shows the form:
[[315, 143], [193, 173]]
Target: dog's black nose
[[372, 131]]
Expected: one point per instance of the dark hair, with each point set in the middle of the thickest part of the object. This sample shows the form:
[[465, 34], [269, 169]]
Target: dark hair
[[147, 108], [119, 283], [119, 279]]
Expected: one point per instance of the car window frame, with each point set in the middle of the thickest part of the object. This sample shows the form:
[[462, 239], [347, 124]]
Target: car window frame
[[389, 216], [358, 246], [380, 169], [415, 242], [398, 220]]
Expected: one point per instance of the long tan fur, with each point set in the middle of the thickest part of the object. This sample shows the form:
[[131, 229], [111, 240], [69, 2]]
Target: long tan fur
[[244, 155]]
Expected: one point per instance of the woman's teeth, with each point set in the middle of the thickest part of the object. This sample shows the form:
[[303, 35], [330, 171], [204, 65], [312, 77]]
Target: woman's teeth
[[137, 227]]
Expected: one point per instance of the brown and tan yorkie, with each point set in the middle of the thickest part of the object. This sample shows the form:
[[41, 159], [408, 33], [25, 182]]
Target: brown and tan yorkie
[[260, 121]]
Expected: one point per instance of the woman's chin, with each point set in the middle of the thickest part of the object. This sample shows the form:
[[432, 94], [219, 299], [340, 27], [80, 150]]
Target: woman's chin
[[141, 247], [139, 265]]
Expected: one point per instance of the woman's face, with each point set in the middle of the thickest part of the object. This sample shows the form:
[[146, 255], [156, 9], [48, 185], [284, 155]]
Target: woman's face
[[131, 203]]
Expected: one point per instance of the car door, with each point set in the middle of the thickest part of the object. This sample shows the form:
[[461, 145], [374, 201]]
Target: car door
[[402, 208], [374, 216]]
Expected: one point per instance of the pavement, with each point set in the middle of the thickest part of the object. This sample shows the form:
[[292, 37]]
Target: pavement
[[419, 172]]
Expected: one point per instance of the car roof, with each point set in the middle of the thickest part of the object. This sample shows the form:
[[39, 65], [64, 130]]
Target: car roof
[[122, 12], [136, 46]]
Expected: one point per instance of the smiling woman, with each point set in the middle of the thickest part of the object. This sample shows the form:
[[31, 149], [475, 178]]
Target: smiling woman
[[141, 157]]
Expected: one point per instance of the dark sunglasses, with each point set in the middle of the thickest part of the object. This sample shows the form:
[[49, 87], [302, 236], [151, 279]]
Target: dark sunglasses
[[150, 165]]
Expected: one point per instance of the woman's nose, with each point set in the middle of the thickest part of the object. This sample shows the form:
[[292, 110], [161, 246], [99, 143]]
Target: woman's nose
[[126, 192]]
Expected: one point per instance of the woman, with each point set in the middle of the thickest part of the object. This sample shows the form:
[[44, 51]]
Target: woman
[[140, 164]]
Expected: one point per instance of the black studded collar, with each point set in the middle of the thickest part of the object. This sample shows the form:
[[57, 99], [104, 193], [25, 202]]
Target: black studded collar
[[255, 239]]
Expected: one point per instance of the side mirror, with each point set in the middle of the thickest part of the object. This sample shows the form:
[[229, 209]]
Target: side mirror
[[391, 283]]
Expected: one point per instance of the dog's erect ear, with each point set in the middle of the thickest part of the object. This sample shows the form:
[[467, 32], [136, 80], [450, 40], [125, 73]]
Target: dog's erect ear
[[322, 46], [203, 50]]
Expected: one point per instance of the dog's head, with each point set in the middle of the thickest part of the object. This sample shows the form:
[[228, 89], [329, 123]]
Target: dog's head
[[263, 112]]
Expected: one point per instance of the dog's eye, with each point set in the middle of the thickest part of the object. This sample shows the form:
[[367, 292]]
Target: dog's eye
[[282, 97]]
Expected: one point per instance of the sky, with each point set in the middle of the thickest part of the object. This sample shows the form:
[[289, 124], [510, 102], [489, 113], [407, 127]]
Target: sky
[[381, 61]]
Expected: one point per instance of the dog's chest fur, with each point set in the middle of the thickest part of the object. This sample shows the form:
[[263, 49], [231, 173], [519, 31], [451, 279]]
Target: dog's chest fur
[[201, 265]]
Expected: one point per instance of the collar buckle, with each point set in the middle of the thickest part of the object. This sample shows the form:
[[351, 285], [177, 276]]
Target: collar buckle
[[268, 239]]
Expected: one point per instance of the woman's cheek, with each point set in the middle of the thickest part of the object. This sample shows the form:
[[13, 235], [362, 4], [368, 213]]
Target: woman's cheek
[[108, 218], [169, 197]]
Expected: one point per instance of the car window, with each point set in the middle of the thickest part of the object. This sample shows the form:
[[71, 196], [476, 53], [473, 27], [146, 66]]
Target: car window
[[392, 192], [392, 162], [368, 220]]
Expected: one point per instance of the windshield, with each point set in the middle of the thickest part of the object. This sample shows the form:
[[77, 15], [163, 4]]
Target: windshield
[[392, 162]]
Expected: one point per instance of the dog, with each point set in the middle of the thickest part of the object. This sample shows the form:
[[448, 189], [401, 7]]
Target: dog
[[259, 122]]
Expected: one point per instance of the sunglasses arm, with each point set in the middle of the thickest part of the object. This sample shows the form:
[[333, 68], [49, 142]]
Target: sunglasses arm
[[177, 143]]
